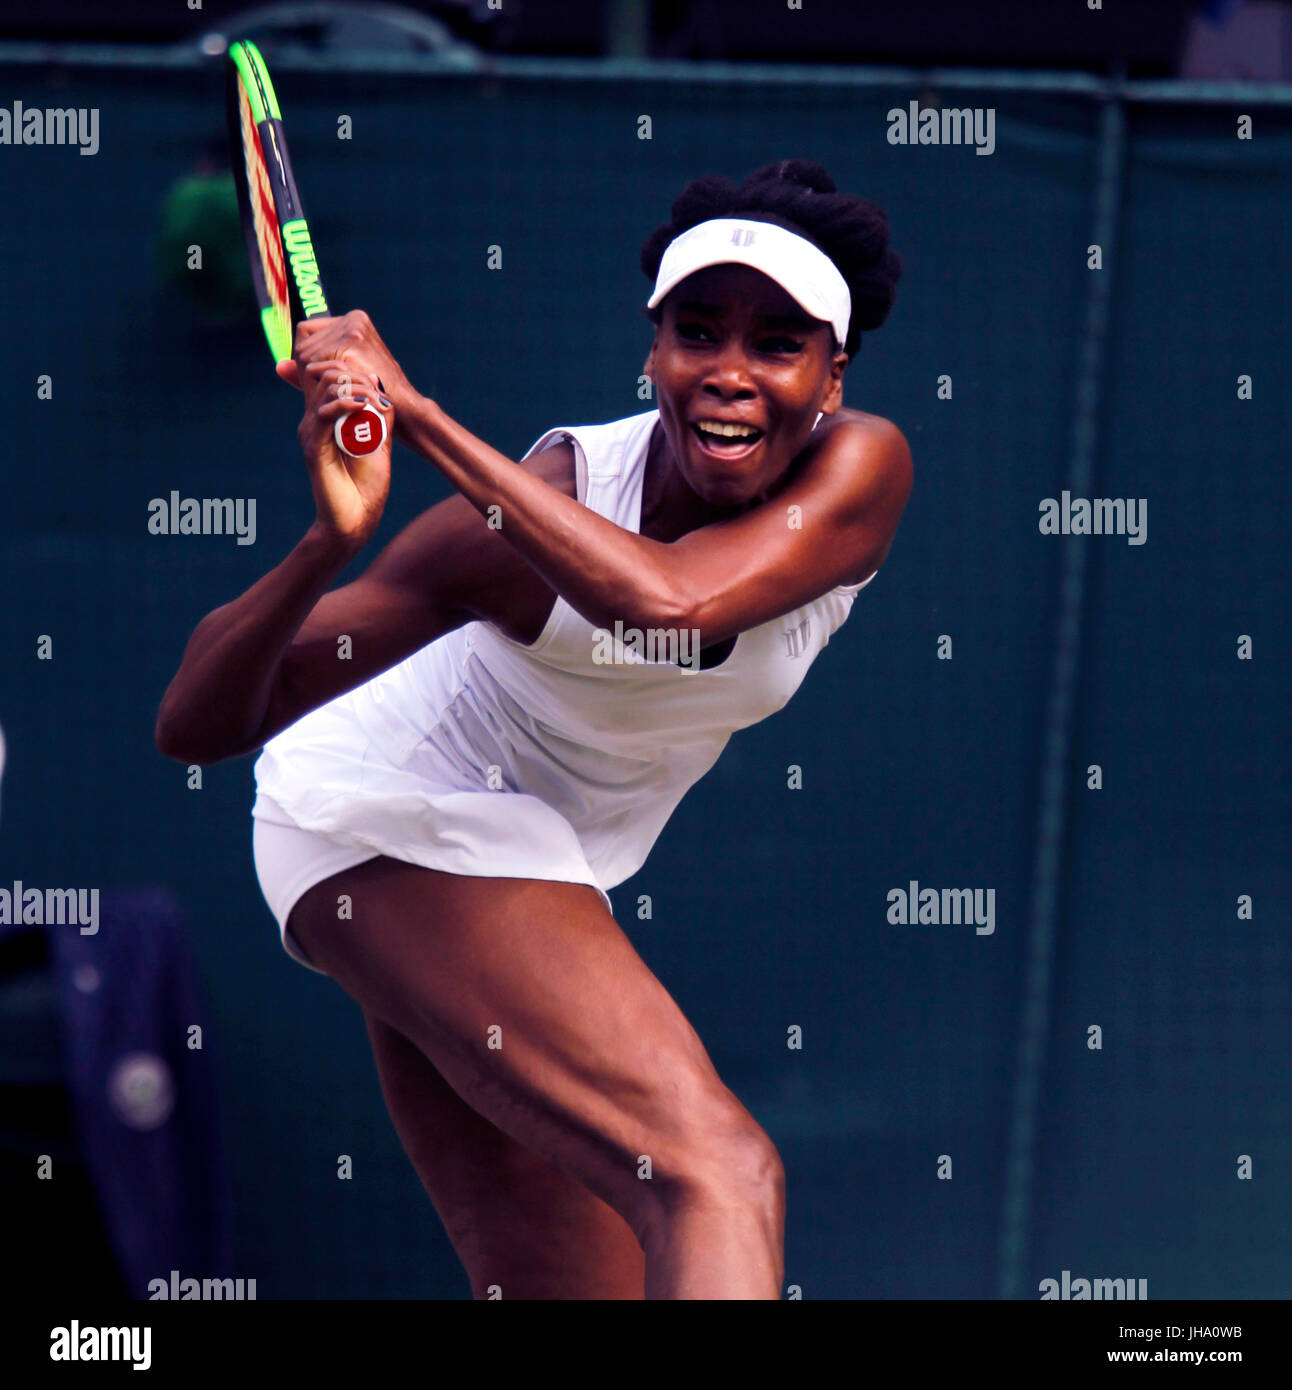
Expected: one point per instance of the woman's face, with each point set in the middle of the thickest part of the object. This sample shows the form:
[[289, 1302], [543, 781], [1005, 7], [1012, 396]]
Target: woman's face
[[732, 348]]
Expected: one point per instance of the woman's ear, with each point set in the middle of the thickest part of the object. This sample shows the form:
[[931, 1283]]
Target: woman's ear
[[833, 397], [837, 368]]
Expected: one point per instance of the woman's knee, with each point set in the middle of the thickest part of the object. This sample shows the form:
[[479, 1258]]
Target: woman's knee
[[722, 1157]]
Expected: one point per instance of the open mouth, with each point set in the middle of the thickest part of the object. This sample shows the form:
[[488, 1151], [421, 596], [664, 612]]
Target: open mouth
[[726, 439]]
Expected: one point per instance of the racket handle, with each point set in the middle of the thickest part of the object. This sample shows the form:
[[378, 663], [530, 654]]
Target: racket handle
[[360, 432]]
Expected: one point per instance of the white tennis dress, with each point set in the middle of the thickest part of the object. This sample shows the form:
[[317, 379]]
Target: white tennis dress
[[478, 755]]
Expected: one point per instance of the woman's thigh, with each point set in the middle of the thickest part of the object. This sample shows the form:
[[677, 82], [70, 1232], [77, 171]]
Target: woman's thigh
[[519, 1225], [530, 1001]]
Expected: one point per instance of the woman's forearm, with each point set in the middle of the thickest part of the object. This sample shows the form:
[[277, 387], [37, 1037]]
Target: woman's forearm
[[603, 571], [218, 699]]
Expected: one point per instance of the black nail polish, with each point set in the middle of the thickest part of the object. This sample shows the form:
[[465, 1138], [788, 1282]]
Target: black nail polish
[[385, 402]]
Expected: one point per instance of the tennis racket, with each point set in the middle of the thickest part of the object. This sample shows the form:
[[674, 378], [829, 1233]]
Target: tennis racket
[[283, 264]]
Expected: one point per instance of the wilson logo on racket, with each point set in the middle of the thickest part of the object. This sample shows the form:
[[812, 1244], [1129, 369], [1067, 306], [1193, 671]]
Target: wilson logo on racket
[[305, 269]]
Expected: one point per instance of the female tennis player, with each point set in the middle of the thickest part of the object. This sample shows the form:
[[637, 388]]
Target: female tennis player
[[461, 755]]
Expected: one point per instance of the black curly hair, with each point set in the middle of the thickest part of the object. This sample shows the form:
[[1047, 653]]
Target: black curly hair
[[800, 196]]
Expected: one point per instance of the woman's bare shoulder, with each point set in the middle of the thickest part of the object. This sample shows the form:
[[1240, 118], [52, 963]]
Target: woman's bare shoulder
[[847, 433], [845, 415]]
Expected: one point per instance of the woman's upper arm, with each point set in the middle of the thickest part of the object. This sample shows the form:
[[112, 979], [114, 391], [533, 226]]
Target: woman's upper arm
[[444, 569]]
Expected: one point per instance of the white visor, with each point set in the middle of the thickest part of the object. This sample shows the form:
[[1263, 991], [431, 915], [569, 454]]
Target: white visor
[[805, 273]]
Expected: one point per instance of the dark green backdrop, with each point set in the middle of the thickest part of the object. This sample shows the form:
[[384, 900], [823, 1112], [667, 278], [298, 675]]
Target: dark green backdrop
[[769, 905]]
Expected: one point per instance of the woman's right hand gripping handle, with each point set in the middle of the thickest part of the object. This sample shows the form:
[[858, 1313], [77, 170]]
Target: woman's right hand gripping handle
[[350, 491]]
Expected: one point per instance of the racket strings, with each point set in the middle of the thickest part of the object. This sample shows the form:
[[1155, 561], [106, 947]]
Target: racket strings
[[265, 220]]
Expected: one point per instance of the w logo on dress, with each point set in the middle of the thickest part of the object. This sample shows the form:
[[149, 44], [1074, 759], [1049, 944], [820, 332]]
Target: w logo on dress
[[796, 638], [743, 236]]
